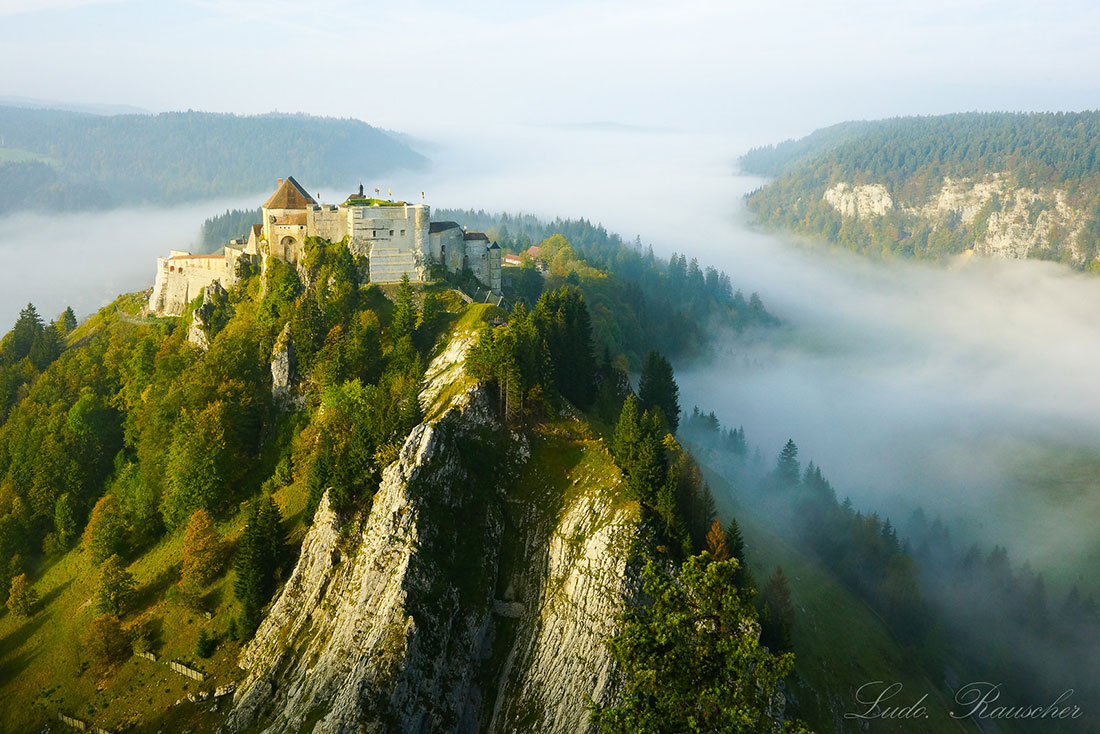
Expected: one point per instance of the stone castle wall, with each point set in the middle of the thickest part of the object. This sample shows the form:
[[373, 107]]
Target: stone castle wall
[[181, 278], [396, 240]]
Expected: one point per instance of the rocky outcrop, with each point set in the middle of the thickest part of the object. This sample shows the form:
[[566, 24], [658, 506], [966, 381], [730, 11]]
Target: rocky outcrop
[[559, 660], [284, 367], [859, 200], [1002, 220], [210, 317], [449, 606]]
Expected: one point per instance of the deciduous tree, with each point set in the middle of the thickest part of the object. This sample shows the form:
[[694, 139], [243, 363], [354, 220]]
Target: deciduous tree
[[116, 587]]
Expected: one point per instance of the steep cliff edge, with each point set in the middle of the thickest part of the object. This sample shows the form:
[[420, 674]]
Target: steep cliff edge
[[474, 593], [1003, 185]]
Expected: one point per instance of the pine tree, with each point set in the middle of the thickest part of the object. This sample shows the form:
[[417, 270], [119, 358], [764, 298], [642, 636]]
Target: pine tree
[[271, 530], [249, 584], [735, 542], [657, 389], [258, 555], [787, 467], [26, 330], [624, 444], [67, 322], [206, 644], [780, 612], [46, 347], [405, 314]]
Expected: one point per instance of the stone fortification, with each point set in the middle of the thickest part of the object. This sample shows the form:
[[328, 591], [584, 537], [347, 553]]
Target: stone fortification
[[391, 239]]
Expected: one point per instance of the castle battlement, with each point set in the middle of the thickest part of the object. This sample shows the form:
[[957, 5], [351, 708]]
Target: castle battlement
[[394, 239]]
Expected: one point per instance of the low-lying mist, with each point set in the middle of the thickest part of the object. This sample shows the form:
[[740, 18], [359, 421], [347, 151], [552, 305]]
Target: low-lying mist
[[967, 389], [86, 259]]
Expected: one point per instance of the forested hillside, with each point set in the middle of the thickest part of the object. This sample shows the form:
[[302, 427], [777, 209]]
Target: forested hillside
[[160, 476], [999, 184], [51, 159]]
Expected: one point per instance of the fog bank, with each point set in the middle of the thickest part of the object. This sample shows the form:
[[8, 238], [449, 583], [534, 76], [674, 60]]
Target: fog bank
[[962, 388], [86, 259]]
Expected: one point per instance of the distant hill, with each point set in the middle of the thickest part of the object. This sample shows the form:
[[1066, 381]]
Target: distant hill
[[998, 184], [55, 159], [772, 160], [14, 100]]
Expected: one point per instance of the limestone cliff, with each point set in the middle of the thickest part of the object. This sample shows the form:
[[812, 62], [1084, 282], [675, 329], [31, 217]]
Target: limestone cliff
[[473, 594], [996, 218], [284, 367], [210, 317]]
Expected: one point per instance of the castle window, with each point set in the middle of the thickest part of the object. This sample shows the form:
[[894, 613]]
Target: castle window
[[391, 233], [402, 233]]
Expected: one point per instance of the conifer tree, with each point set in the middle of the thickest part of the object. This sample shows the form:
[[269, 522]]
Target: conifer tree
[[249, 584], [67, 322], [624, 445], [26, 330], [779, 612], [405, 314], [258, 555], [716, 542], [735, 542], [657, 389], [787, 467], [46, 347]]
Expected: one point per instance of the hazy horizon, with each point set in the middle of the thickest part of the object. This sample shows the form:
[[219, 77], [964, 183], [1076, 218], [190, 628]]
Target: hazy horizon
[[768, 71]]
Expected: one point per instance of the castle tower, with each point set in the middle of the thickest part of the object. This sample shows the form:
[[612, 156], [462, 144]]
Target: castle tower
[[285, 220]]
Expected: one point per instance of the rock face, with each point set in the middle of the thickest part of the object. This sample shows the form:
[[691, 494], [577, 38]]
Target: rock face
[[284, 366], [209, 318], [859, 200], [450, 606], [558, 660], [1007, 222]]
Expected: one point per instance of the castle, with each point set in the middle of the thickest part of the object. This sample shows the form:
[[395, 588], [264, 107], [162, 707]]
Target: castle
[[391, 239]]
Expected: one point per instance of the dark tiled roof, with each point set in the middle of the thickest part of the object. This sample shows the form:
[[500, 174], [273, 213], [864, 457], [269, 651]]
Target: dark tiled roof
[[441, 226], [290, 195], [475, 236], [495, 246]]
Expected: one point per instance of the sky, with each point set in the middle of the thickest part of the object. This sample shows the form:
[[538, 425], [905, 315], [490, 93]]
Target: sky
[[769, 69]]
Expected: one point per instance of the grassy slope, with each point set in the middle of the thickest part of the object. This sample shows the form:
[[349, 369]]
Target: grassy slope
[[42, 668], [840, 643]]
